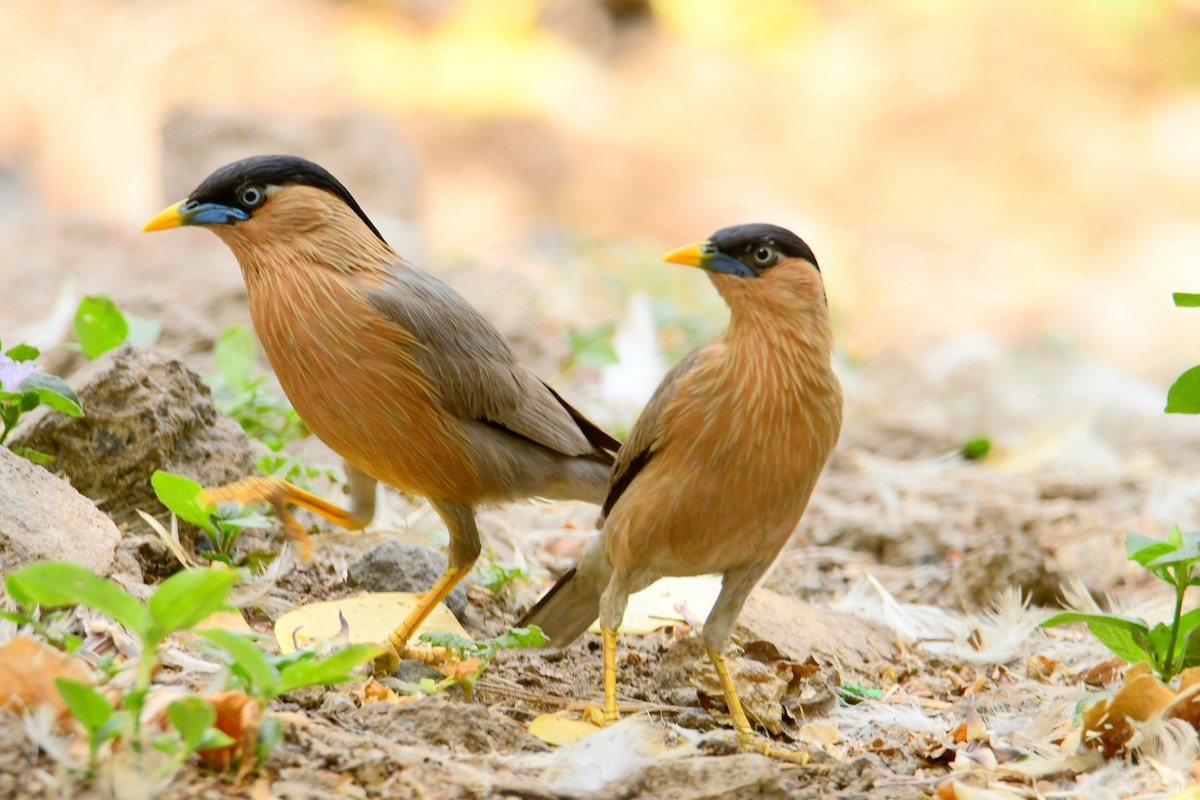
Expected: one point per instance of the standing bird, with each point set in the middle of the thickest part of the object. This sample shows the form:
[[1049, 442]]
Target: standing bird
[[387, 365], [718, 469]]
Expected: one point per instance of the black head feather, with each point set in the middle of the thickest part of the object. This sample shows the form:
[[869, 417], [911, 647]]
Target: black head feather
[[743, 241], [226, 184]]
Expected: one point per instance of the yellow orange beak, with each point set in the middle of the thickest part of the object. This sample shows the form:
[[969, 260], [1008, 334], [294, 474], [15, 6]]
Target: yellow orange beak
[[690, 255], [169, 217]]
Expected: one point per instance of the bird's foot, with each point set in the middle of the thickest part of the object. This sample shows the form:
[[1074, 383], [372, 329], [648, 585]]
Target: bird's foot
[[753, 743], [386, 663], [279, 493], [596, 717]]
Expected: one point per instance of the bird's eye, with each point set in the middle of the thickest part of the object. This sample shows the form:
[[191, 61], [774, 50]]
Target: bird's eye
[[251, 196], [764, 256]]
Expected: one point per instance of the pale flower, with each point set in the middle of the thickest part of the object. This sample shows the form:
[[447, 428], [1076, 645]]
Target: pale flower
[[12, 373]]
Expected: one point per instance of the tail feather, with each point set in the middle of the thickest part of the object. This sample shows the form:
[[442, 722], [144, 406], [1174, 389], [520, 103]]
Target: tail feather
[[567, 610]]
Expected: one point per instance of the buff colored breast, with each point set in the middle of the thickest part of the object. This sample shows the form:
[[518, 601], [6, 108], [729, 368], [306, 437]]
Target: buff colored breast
[[361, 365], [747, 434]]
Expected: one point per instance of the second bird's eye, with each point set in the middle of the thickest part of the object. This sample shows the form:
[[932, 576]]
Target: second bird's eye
[[250, 196]]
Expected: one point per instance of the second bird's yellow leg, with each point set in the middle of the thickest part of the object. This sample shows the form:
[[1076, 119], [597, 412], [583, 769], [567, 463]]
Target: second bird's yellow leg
[[398, 639], [745, 733], [610, 674]]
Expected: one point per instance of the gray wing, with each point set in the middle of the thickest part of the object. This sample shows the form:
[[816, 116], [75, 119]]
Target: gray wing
[[640, 446], [472, 365]]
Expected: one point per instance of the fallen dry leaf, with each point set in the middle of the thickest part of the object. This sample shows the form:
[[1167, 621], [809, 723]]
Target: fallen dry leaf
[[1106, 724], [1104, 673], [556, 731], [822, 733], [1041, 668], [224, 620], [375, 692], [461, 669], [27, 673], [238, 716], [370, 617]]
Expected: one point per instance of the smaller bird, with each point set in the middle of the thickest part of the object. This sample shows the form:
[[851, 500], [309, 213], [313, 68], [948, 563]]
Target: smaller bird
[[387, 365], [720, 466]]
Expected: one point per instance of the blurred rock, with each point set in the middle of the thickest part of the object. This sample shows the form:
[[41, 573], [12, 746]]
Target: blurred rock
[[144, 411], [394, 566], [44, 518]]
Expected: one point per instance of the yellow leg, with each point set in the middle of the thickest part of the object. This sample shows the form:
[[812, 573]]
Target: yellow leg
[[398, 639], [745, 733], [278, 492], [610, 674]]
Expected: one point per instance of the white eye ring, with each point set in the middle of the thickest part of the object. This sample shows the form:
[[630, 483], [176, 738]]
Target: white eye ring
[[251, 196]]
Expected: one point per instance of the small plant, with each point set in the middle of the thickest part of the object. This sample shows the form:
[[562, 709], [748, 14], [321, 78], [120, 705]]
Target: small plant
[[1169, 649], [1184, 395], [498, 578], [223, 523], [590, 349], [101, 326], [264, 415], [474, 657], [178, 604], [23, 387]]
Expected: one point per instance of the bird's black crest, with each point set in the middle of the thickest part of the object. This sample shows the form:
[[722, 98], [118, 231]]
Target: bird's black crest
[[223, 185], [741, 240]]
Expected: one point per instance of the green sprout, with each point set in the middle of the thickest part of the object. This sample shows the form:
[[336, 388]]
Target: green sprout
[[101, 326], [1169, 649]]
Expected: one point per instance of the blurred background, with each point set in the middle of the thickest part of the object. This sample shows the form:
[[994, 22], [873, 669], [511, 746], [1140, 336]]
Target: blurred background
[[1020, 172]]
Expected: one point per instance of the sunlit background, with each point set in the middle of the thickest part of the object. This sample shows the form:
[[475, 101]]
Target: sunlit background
[[1022, 169]]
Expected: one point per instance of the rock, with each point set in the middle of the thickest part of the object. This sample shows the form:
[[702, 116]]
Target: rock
[[394, 566], [144, 410], [44, 518], [434, 720]]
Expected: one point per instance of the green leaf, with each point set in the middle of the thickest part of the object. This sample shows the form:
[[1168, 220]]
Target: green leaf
[[1186, 300], [114, 726], [248, 659], [187, 597], [86, 704], [29, 454], [270, 734], [1143, 549], [99, 326], [976, 449], [329, 670], [53, 584], [594, 348], [214, 738], [1190, 655], [452, 641], [1180, 556], [192, 717], [54, 392], [1184, 395], [143, 332], [518, 638], [234, 354], [182, 496], [23, 352], [1119, 634]]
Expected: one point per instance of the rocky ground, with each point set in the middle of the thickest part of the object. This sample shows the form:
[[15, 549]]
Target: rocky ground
[[916, 573]]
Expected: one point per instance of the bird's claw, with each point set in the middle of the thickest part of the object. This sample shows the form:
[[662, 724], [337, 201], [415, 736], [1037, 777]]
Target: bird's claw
[[386, 662], [596, 717]]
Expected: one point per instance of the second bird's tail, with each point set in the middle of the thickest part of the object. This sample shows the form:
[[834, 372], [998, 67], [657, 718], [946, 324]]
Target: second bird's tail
[[567, 610]]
